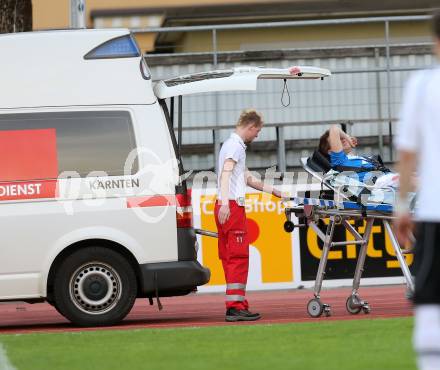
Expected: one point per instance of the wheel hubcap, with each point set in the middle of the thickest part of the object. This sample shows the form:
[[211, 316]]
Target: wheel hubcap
[[95, 288]]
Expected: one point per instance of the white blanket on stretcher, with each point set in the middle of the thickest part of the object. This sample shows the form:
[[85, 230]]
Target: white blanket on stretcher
[[348, 184]]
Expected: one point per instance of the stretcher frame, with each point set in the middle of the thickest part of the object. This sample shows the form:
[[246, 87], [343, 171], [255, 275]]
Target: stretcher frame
[[310, 211]]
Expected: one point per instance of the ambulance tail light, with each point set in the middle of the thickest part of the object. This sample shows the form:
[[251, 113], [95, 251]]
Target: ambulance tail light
[[184, 212]]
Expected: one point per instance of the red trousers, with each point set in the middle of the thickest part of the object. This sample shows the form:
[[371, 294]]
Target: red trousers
[[233, 251]]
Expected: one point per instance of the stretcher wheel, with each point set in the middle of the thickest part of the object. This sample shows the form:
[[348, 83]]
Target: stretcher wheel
[[289, 226], [315, 308], [353, 305]]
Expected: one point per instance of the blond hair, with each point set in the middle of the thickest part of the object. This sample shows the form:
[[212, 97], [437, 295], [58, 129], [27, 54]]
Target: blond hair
[[250, 116]]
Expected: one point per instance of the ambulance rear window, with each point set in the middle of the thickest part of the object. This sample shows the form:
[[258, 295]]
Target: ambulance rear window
[[197, 77], [44, 145], [120, 47]]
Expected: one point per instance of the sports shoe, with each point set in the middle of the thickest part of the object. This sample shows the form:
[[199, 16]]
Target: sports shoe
[[232, 314]]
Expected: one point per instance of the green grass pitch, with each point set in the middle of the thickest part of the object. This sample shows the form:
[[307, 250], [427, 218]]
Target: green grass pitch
[[367, 344]]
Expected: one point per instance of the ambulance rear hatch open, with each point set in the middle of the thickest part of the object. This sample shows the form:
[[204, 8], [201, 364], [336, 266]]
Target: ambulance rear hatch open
[[244, 78], [240, 78]]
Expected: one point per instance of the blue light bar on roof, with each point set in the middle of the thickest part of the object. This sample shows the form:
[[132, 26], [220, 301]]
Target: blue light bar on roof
[[120, 47]]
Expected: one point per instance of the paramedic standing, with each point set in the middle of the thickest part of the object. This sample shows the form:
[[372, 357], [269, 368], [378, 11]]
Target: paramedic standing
[[419, 149], [230, 216]]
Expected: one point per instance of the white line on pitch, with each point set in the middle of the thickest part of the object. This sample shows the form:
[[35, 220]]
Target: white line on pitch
[[4, 360]]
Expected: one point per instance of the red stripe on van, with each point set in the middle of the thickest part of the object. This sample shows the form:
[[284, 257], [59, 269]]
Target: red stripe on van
[[28, 189], [152, 201]]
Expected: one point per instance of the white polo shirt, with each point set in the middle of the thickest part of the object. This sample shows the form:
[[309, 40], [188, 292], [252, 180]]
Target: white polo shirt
[[233, 148], [419, 132]]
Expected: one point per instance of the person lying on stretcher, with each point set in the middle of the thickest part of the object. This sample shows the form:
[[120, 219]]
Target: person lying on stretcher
[[336, 146], [364, 179]]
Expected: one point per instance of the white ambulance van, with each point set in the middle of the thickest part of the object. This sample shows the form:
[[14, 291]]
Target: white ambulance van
[[93, 212]]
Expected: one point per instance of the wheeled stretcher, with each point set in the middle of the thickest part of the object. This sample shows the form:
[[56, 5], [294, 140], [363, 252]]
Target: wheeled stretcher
[[340, 211]]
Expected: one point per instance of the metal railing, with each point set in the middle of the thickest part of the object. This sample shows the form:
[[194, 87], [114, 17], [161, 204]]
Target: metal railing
[[214, 28], [388, 69], [280, 138]]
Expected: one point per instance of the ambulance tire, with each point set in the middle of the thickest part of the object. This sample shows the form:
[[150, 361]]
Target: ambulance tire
[[95, 286], [54, 305]]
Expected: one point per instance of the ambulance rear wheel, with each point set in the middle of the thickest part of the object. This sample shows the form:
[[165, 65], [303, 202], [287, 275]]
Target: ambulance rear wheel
[[95, 286]]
